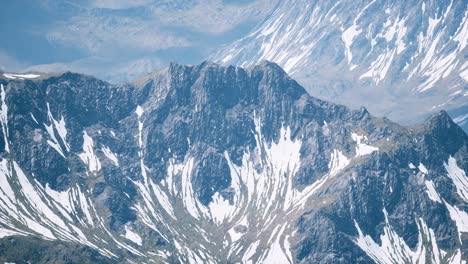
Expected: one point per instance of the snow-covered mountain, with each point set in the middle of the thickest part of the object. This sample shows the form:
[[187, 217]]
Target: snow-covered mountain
[[212, 164], [401, 59]]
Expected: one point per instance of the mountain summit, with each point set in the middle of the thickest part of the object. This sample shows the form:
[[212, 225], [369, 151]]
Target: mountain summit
[[213, 164]]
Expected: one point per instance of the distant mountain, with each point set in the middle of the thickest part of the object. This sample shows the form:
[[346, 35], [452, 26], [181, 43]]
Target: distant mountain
[[401, 59], [212, 164]]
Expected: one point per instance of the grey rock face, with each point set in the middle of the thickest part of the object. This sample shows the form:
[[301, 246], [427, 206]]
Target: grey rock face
[[224, 164]]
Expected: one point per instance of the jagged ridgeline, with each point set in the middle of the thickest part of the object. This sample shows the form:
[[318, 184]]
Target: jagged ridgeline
[[211, 164]]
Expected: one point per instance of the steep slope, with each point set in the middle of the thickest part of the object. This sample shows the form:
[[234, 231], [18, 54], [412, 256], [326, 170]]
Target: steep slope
[[223, 164], [401, 59]]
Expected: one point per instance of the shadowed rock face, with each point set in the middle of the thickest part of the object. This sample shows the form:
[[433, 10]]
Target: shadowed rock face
[[222, 164]]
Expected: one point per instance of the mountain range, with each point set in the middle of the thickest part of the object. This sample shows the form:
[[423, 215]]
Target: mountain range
[[400, 59], [213, 164]]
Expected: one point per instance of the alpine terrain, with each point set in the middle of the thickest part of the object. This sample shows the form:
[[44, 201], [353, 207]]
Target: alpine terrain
[[213, 164], [402, 59]]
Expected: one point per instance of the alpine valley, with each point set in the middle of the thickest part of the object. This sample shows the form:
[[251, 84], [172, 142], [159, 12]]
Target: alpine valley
[[214, 164]]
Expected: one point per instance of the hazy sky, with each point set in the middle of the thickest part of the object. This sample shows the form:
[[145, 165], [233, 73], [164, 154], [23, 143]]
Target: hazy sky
[[116, 39]]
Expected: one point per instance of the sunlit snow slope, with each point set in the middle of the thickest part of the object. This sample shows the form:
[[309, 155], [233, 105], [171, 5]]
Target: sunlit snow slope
[[402, 59]]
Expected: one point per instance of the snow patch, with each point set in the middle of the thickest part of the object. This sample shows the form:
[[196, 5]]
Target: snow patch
[[458, 177], [393, 249], [60, 127], [250, 252], [431, 192], [338, 161], [277, 253], [4, 119], [132, 236], [14, 76], [6, 233], [88, 156], [234, 235], [110, 155], [362, 149], [220, 208], [459, 217], [348, 37], [34, 118], [423, 168], [139, 111]]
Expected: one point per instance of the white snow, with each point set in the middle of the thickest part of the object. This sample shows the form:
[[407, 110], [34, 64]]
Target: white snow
[[6, 233], [110, 155], [38, 205], [262, 194], [250, 252], [234, 235], [348, 38], [262, 188], [220, 208], [461, 119], [399, 29], [298, 31], [153, 194], [464, 75], [431, 192], [39, 229], [437, 63], [325, 128], [14, 76], [459, 217], [276, 254], [4, 120], [139, 111], [393, 249], [458, 177], [362, 149], [338, 161], [61, 129], [7, 195], [191, 203], [163, 200], [43, 212], [53, 143], [34, 118], [85, 207], [379, 68], [423, 168], [88, 156], [61, 198], [132, 236]]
